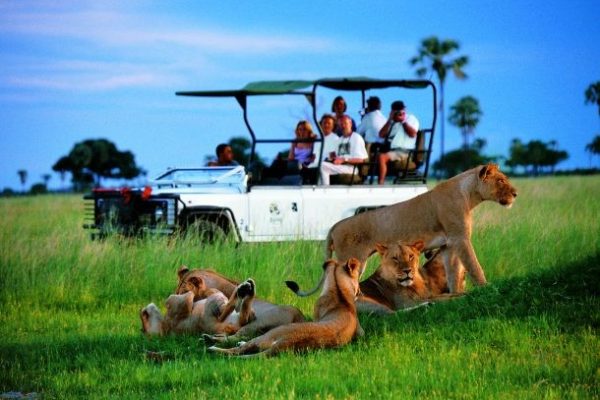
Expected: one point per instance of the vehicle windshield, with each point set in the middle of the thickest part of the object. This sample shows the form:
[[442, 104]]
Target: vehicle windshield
[[207, 175]]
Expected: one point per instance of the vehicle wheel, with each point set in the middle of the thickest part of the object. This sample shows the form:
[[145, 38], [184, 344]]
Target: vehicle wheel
[[207, 231]]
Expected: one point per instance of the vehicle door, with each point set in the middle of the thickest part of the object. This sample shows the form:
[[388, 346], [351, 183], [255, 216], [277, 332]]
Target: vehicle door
[[275, 213]]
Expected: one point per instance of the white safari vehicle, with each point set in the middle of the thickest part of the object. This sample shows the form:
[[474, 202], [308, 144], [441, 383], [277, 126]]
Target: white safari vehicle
[[249, 204]]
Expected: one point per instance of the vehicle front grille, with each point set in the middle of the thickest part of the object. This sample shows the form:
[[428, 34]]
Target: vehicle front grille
[[111, 212]]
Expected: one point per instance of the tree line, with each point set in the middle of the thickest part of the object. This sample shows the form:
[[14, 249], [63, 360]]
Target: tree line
[[435, 56]]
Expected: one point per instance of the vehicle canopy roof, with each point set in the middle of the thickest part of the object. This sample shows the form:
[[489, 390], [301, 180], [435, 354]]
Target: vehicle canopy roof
[[308, 87]]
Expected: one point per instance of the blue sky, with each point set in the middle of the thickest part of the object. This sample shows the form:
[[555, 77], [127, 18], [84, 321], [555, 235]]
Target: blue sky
[[73, 70]]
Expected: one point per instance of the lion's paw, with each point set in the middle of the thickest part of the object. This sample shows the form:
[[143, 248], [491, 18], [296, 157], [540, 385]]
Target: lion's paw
[[246, 288]]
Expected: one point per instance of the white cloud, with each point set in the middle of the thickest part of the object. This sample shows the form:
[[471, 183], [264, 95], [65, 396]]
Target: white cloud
[[97, 47], [83, 82], [117, 29]]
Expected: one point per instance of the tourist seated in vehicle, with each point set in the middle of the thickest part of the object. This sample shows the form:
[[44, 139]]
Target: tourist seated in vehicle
[[330, 144], [224, 157], [303, 151], [351, 150], [331, 141], [401, 129], [338, 108], [371, 124]]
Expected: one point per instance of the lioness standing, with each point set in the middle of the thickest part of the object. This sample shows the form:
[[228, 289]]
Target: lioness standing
[[335, 321], [440, 217]]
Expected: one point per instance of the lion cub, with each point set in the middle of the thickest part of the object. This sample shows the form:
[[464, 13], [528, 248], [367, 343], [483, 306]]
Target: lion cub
[[335, 321], [399, 283], [214, 313]]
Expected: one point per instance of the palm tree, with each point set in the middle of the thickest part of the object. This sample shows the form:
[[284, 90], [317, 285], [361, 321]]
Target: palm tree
[[433, 57], [465, 114], [592, 95], [46, 178], [22, 177], [593, 147]]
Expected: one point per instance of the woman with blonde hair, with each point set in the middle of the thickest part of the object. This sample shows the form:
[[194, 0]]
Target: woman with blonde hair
[[302, 151]]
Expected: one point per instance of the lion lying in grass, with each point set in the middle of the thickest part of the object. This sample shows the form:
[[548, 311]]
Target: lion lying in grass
[[399, 283], [212, 314], [267, 315], [440, 217], [335, 322]]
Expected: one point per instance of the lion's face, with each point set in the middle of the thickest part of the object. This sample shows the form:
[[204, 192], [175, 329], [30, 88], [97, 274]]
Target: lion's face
[[400, 263], [152, 320], [179, 307], [353, 268], [191, 281], [496, 186]]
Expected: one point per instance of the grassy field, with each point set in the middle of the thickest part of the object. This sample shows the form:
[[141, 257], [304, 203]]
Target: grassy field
[[70, 328]]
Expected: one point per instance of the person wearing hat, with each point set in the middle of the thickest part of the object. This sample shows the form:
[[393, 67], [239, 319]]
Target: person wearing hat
[[401, 129], [371, 124]]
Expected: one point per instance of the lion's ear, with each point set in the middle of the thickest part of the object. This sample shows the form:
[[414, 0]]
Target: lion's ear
[[196, 281], [418, 245], [352, 267], [381, 249], [182, 271], [487, 170]]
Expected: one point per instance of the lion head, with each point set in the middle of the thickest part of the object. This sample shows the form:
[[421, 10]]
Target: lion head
[[152, 320], [202, 282], [191, 281], [400, 263], [179, 307], [496, 186]]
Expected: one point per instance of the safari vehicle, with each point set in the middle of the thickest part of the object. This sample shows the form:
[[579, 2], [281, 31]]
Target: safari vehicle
[[247, 204]]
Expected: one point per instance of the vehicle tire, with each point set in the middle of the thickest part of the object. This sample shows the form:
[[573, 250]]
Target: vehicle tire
[[206, 230]]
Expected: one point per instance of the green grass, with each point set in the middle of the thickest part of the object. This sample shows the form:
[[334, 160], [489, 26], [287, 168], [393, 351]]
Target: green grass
[[69, 323]]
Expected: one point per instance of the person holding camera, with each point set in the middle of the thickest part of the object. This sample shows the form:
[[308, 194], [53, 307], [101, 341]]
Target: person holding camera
[[371, 124], [401, 129]]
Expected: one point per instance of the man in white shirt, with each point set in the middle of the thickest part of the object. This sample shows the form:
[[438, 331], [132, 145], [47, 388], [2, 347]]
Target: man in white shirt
[[402, 129], [371, 124], [330, 139], [351, 150]]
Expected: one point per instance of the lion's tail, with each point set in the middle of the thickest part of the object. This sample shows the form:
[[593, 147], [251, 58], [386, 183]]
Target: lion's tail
[[294, 287]]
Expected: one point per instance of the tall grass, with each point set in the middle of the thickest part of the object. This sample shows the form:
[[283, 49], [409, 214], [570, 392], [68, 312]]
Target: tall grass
[[70, 328]]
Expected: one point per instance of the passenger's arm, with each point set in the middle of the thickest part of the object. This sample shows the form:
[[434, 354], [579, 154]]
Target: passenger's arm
[[409, 129], [385, 129]]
